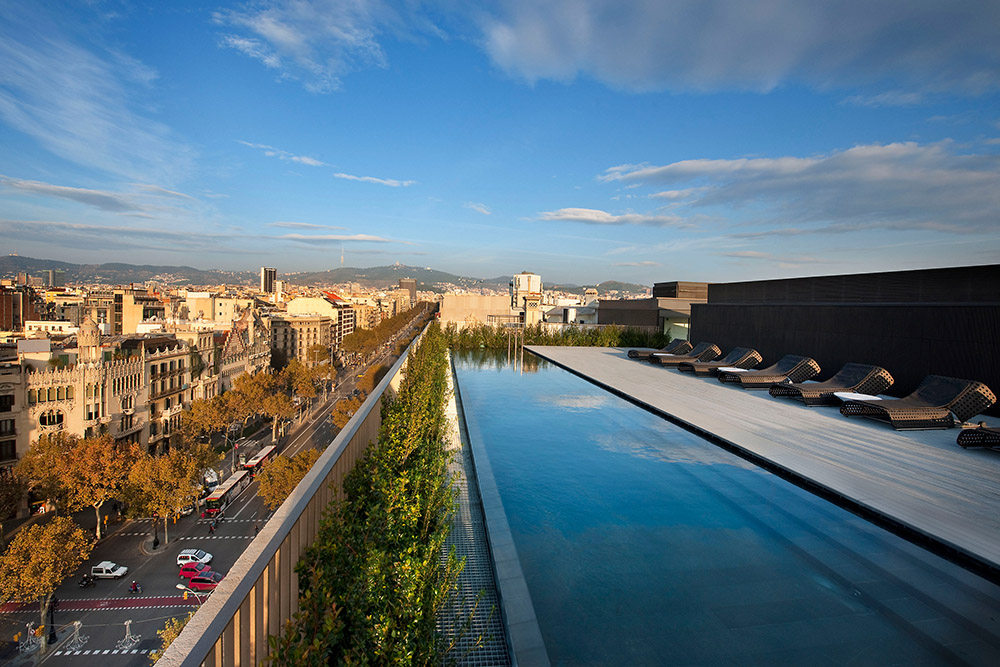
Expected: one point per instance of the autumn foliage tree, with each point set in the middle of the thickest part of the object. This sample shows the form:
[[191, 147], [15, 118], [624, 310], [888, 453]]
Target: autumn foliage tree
[[12, 490], [39, 558], [280, 477], [80, 472], [163, 485]]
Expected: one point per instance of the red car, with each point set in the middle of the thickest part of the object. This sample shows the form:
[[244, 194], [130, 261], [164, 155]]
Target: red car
[[205, 582], [194, 569]]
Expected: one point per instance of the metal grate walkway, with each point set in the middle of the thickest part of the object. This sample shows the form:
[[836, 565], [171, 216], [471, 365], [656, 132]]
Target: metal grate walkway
[[470, 621]]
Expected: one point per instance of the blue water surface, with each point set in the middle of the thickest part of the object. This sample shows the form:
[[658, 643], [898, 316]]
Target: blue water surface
[[642, 543]]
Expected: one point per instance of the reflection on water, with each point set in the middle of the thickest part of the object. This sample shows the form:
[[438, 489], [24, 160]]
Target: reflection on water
[[642, 543]]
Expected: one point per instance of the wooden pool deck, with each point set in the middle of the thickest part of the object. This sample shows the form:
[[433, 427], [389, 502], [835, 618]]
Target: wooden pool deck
[[920, 483]]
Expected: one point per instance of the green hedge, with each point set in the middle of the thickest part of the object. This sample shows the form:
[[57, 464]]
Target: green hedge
[[372, 584], [495, 338]]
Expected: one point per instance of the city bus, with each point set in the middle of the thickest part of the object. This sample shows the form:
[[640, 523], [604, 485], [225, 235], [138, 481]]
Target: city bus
[[262, 458], [224, 493]]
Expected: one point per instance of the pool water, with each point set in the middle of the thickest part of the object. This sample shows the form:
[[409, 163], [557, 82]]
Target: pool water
[[642, 543]]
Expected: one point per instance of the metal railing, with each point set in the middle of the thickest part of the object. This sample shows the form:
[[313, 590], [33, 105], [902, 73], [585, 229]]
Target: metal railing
[[261, 591]]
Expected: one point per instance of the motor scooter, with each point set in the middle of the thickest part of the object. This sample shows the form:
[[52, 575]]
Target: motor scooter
[[86, 581]]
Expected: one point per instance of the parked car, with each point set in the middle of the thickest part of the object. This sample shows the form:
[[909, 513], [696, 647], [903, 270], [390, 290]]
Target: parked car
[[108, 570], [193, 556], [194, 569], [205, 582], [187, 510]]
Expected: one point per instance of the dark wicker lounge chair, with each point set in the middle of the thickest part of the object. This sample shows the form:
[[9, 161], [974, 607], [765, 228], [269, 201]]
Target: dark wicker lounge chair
[[857, 378], [676, 346], [738, 357], [791, 368], [701, 352], [984, 436], [937, 403]]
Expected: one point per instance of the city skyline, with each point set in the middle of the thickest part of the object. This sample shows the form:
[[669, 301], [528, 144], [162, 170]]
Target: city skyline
[[585, 140]]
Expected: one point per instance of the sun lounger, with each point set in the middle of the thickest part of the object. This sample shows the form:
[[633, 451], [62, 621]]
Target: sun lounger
[[790, 368], [701, 352], [676, 346], [860, 378], [937, 403], [738, 357], [984, 436]]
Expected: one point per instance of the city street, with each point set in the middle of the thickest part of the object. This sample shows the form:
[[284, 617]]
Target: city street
[[104, 608]]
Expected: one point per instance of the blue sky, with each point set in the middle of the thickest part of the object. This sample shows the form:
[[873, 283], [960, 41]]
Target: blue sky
[[584, 140]]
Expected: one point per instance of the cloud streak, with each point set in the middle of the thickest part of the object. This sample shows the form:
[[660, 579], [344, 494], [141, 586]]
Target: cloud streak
[[271, 151], [81, 104], [105, 201], [303, 225], [708, 45], [390, 182], [478, 208], [592, 216], [900, 186], [318, 42]]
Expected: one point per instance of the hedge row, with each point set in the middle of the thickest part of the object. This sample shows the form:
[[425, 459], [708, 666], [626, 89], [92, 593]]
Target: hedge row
[[372, 584], [496, 338]]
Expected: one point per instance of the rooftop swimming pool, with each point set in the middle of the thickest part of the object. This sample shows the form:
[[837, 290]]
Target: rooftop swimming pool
[[642, 543]]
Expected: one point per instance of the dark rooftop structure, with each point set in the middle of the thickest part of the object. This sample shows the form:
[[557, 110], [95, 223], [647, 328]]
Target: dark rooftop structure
[[912, 323]]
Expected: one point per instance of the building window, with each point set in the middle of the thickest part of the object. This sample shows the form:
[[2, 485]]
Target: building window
[[51, 418], [8, 450], [6, 427], [52, 393], [7, 402], [60, 393], [69, 393]]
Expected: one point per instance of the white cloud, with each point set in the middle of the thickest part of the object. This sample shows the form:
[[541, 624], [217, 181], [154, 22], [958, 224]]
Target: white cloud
[[780, 261], [340, 238], [163, 192], [303, 225], [479, 208], [106, 201], [592, 216], [81, 104], [899, 186], [700, 45], [675, 195], [644, 263], [391, 182], [892, 98], [318, 42], [271, 151]]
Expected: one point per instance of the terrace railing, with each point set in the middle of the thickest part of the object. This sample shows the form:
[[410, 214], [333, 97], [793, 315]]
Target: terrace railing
[[261, 591]]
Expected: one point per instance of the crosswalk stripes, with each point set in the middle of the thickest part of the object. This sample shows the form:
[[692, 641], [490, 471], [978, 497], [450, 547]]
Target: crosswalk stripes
[[216, 537], [108, 651]]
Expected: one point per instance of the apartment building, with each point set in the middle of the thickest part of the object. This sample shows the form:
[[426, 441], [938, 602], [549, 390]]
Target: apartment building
[[292, 335]]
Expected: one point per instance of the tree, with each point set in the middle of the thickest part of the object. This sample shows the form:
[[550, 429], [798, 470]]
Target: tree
[[12, 490], [96, 471], [208, 415], [344, 410], [40, 467], [163, 485], [169, 633], [280, 477], [39, 558], [80, 472]]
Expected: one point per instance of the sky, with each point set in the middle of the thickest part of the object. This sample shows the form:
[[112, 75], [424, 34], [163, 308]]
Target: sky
[[584, 140]]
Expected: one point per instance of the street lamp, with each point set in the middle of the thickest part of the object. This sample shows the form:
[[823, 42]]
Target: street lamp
[[182, 587]]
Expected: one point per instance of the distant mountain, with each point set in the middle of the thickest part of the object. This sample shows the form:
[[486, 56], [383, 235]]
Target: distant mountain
[[428, 279], [602, 288], [117, 273]]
